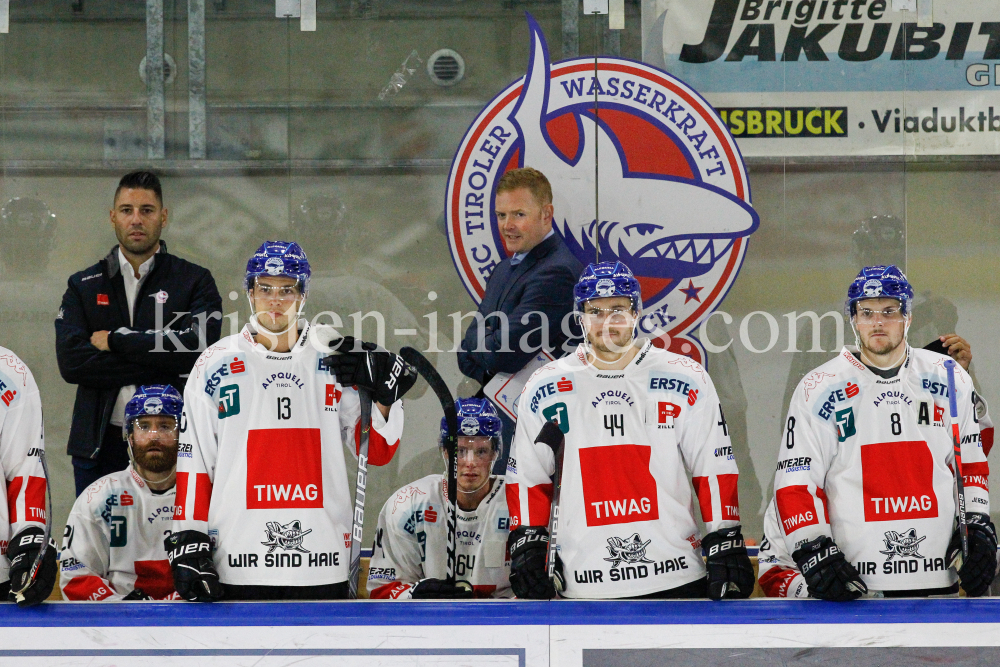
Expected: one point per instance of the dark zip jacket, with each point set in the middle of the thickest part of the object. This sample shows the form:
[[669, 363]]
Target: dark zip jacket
[[152, 350]]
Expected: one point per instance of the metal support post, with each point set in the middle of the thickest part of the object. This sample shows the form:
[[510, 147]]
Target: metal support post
[[155, 101], [197, 131]]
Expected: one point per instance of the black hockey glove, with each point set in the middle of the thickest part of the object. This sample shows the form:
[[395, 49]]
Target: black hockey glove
[[190, 555], [382, 373], [438, 589], [827, 573], [22, 551], [528, 546], [975, 572], [137, 594], [730, 572]]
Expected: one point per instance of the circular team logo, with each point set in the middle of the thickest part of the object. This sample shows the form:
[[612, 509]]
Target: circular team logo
[[152, 406], [873, 287], [470, 426], [605, 287], [274, 266], [673, 191]]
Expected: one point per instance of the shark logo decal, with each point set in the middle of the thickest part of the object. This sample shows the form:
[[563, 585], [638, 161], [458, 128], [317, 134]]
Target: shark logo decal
[[674, 196]]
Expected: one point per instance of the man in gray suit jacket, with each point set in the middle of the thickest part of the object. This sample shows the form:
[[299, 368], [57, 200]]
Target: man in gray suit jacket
[[533, 286]]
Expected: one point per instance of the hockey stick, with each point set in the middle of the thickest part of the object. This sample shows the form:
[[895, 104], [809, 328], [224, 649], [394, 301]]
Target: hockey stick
[[46, 533], [440, 389], [552, 436], [963, 527], [358, 527]]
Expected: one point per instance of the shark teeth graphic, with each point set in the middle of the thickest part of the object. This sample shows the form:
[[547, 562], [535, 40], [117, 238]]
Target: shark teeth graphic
[[684, 226]]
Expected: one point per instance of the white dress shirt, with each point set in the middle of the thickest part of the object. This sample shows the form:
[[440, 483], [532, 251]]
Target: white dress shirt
[[132, 285]]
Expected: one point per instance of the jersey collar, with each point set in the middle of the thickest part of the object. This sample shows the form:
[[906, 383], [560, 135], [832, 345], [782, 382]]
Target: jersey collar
[[305, 330], [581, 355], [848, 353]]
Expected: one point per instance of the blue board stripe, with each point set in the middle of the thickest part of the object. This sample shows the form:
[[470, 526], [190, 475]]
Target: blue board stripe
[[563, 612]]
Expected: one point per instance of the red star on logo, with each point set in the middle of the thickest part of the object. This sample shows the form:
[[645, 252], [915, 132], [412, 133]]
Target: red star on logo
[[691, 292]]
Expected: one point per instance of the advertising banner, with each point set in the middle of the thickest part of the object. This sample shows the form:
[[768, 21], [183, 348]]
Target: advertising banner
[[838, 77]]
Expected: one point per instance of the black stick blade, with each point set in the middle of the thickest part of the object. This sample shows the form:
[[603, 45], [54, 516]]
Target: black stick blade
[[550, 435]]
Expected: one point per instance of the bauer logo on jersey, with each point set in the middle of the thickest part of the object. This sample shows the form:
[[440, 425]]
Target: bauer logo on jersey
[[284, 468], [674, 196], [617, 485], [898, 481]]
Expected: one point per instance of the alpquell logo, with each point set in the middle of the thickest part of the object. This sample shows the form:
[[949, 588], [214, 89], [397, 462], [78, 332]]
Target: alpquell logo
[[674, 195]]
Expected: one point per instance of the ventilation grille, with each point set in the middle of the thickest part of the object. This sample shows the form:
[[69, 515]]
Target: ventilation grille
[[445, 67]]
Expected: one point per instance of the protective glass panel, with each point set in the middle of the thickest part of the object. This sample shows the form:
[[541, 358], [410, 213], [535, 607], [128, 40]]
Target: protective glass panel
[[343, 138]]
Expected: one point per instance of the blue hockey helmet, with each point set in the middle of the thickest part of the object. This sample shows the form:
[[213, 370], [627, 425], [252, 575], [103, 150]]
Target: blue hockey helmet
[[278, 258], [880, 282], [607, 279], [476, 416], [153, 399]]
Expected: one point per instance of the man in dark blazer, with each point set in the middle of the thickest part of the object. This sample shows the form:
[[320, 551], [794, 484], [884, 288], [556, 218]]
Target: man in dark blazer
[[139, 316], [536, 282]]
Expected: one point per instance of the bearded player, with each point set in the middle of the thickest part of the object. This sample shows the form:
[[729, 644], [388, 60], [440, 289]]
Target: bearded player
[[410, 550], [263, 504], [864, 489], [113, 543], [635, 418]]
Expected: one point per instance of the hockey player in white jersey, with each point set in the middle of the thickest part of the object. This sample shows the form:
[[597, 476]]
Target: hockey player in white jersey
[[263, 503], [864, 489], [778, 573], [22, 493], [113, 542], [635, 417], [409, 554]]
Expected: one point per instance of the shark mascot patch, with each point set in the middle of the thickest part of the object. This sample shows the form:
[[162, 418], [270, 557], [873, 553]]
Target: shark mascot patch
[[674, 195]]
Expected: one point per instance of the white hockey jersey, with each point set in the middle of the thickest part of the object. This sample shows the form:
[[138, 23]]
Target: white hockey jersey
[[868, 461], [261, 465], [22, 437], [778, 574], [627, 526], [411, 542], [113, 541]]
